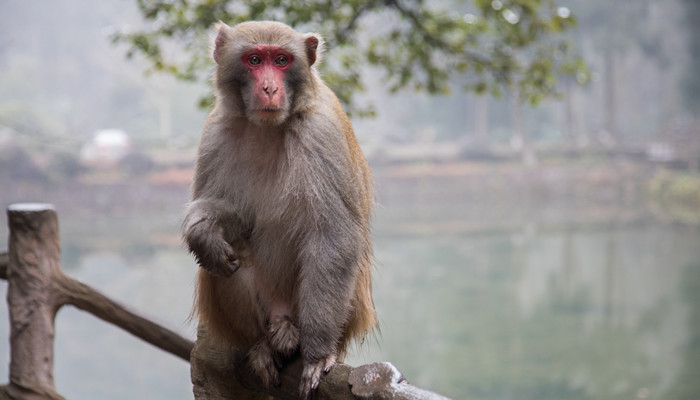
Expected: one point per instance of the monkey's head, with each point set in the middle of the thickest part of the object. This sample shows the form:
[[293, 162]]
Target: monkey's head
[[262, 67]]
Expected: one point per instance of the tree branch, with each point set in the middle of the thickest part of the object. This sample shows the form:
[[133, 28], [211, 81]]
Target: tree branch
[[88, 299]]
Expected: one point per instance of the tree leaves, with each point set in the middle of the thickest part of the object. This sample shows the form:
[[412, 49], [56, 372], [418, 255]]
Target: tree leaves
[[485, 46]]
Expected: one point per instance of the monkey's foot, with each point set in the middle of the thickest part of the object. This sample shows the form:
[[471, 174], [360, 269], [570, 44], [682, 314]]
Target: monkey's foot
[[263, 364], [283, 336], [311, 375]]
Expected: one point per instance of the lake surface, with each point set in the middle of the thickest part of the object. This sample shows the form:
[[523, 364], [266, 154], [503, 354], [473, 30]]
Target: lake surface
[[524, 296]]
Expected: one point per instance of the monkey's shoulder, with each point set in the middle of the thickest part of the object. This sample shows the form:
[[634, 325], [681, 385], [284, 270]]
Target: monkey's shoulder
[[325, 118]]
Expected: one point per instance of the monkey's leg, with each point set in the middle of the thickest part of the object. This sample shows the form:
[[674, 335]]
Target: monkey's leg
[[324, 304]]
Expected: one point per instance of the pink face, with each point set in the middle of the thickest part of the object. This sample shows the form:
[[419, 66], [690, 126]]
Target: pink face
[[267, 65]]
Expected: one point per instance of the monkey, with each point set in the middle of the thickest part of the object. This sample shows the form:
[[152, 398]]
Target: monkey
[[281, 202]]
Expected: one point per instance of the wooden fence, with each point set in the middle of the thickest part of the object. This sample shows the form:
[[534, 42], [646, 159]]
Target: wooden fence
[[38, 288]]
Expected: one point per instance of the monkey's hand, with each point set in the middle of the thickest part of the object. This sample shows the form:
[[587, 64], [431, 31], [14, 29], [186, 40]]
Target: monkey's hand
[[311, 375], [211, 251], [220, 259]]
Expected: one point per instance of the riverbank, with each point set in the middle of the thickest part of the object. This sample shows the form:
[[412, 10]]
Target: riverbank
[[504, 193]]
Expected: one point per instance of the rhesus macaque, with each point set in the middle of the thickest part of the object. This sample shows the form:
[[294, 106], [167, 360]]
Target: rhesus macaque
[[280, 210]]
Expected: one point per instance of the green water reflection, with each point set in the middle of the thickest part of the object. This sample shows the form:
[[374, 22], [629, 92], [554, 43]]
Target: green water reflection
[[601, 313], [564, 310]]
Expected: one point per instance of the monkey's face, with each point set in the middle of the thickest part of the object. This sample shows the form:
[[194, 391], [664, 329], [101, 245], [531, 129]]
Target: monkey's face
[[267, 97], [264, 68]]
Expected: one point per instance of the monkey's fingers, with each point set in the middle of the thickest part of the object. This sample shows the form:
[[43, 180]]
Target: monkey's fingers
[[233, 262], [219, 259], [222, 269]]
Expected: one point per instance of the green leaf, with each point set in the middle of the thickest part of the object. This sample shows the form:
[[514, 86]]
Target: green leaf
[[418, 45]]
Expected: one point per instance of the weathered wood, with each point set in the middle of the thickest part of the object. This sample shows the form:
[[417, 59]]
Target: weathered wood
[[34, 256], [211, 371], [383, 381], [220, 372], [37, 288]]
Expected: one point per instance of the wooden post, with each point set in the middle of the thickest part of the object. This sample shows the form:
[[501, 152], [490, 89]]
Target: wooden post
[[37, 288], [34, 259]]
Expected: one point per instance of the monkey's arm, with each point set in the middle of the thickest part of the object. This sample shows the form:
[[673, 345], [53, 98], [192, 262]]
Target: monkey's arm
[[205, 232]]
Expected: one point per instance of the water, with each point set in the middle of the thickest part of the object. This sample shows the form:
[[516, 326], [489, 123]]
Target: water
[[574, 314], [501, 299]]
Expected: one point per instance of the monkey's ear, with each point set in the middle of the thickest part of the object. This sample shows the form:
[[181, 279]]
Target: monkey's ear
[[220, 42], [314, 45]]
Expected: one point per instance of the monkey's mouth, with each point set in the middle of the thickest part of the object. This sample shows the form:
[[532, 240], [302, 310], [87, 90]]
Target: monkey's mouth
[[269, 112]]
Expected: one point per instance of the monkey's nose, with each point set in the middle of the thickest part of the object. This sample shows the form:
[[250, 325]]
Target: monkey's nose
[[270, 90]]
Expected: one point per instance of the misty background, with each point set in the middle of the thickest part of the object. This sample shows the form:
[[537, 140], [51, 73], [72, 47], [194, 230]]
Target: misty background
[[530, 252]]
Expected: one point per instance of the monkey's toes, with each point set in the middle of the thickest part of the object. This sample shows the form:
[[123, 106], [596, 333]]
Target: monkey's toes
[[330, 363], [262, 363], [311, 375], [284, 336], [310, 379]]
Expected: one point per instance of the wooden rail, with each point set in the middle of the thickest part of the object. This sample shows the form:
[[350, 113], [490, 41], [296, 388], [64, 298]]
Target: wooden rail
[[38, 288]]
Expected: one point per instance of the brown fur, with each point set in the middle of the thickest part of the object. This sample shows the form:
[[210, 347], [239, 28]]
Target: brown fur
[[280, 212]]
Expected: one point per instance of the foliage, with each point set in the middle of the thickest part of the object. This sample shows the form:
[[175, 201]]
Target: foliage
[[489, 46], [677, 194]]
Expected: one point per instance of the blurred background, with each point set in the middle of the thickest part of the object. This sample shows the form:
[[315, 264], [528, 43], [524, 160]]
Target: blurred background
[[537, 231]]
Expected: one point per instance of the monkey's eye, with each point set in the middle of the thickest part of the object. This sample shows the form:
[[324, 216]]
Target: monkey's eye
[[254, 60], [281, 61]]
